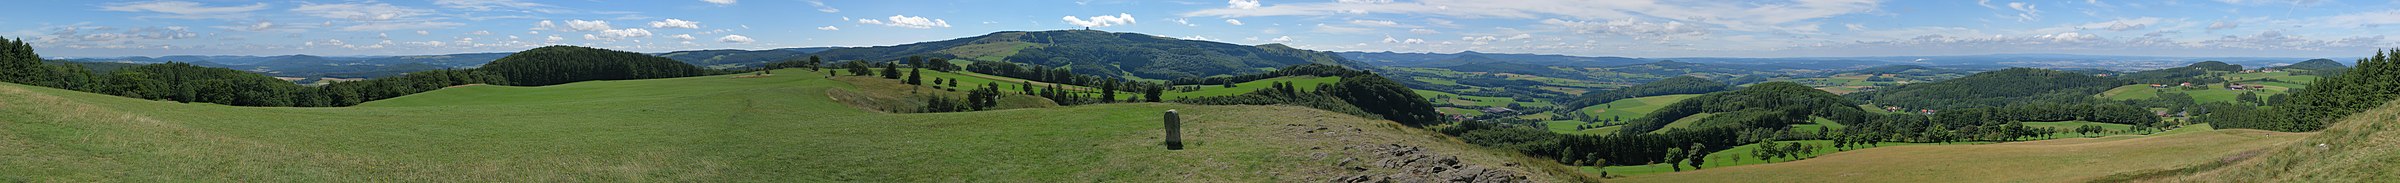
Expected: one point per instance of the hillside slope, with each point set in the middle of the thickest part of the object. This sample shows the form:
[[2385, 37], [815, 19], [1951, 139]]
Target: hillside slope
[[703, 129], [2356, 149], [2060, 160]]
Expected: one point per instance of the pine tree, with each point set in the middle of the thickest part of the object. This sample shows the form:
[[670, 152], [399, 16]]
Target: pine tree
[[891, 71], [915, 77]]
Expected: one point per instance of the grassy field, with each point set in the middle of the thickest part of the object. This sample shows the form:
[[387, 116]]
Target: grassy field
[[2214, 94], [2071, 125], [1686, 122], [2356, 149], [1628, 109], [1736, 156], [1482, 101], [2061, 160], [1308, 83], [695, 129]]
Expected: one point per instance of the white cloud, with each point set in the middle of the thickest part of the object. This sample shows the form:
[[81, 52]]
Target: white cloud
[[1197, 37], [675, 24], [829, 27], [490, 5], [1364, 1], [2363, 19], [555, 38], [1242, 4], [1377, 23], [1413, 41], [1794, 16], [544, 25], [1101, 21], [625, 33], [719, 2], [686, 37], [388, 26], [1232, 21], [1855, 27], [2222, 25], [424, 33], [480, 33], [1627, 27], [1281, 39], [588, 25], [2026, 11], [821, 7], [1424, 31], [1341, 29], [361, 11], [736, 39], [910, 22], [186, 10], [1479, 40]]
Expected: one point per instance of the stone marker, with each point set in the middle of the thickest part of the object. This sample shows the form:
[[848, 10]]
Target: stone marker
[[1174, 131]]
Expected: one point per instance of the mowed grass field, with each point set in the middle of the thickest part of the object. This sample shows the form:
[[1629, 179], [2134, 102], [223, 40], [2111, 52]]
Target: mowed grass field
[[1305, 83], [1628, 109], [2061, 160], [695, 129]]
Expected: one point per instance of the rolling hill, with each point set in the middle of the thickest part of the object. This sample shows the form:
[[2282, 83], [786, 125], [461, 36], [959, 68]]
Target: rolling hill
[[705, 129], [724, 59], [1114, 54]]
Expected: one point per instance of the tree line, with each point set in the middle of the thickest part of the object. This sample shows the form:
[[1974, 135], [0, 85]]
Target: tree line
[[184, 82]]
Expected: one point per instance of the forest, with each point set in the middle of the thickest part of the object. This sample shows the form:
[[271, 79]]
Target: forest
[[2366, 86], [183, 82]]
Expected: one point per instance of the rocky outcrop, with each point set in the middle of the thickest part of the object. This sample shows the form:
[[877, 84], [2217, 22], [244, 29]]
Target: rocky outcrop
[[1415, 164]]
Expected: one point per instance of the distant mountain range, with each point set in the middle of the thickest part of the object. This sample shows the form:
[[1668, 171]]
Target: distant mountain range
[[384, 66]]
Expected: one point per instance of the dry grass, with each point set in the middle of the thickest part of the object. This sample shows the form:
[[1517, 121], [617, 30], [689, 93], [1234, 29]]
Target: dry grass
[[2364, 147]]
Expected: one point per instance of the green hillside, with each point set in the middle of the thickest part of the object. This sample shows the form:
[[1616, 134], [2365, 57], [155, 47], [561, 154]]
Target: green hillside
[[692, 129], [2356, 149]]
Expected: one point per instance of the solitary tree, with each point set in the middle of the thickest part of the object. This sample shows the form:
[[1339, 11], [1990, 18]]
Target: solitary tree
[[915, 76], [1675, 158], [891, 71], [1698, 156]]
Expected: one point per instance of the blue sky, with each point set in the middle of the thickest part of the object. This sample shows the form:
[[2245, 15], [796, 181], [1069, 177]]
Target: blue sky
[[1634, 28]]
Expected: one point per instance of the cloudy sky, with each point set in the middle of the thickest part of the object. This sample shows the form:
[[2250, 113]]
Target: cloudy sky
[[1634, 28]]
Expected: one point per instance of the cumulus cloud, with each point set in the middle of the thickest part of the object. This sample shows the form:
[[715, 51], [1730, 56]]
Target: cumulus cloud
[[492, 5], [829, 27], [909, 22], [544, 25], [554, 38], [738, 39], [675, 24], [1232, 21], [1101, 21], [625, 33], [1242, 4], [480, 33], [1424, 31], [587, 25], [686, 37], [1281, 39], [720, 2], [186, 10], [1855, 27]]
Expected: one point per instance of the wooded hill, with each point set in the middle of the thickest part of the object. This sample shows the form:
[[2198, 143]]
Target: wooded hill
[[551, 65], [1101, 53], [1993, 89]]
